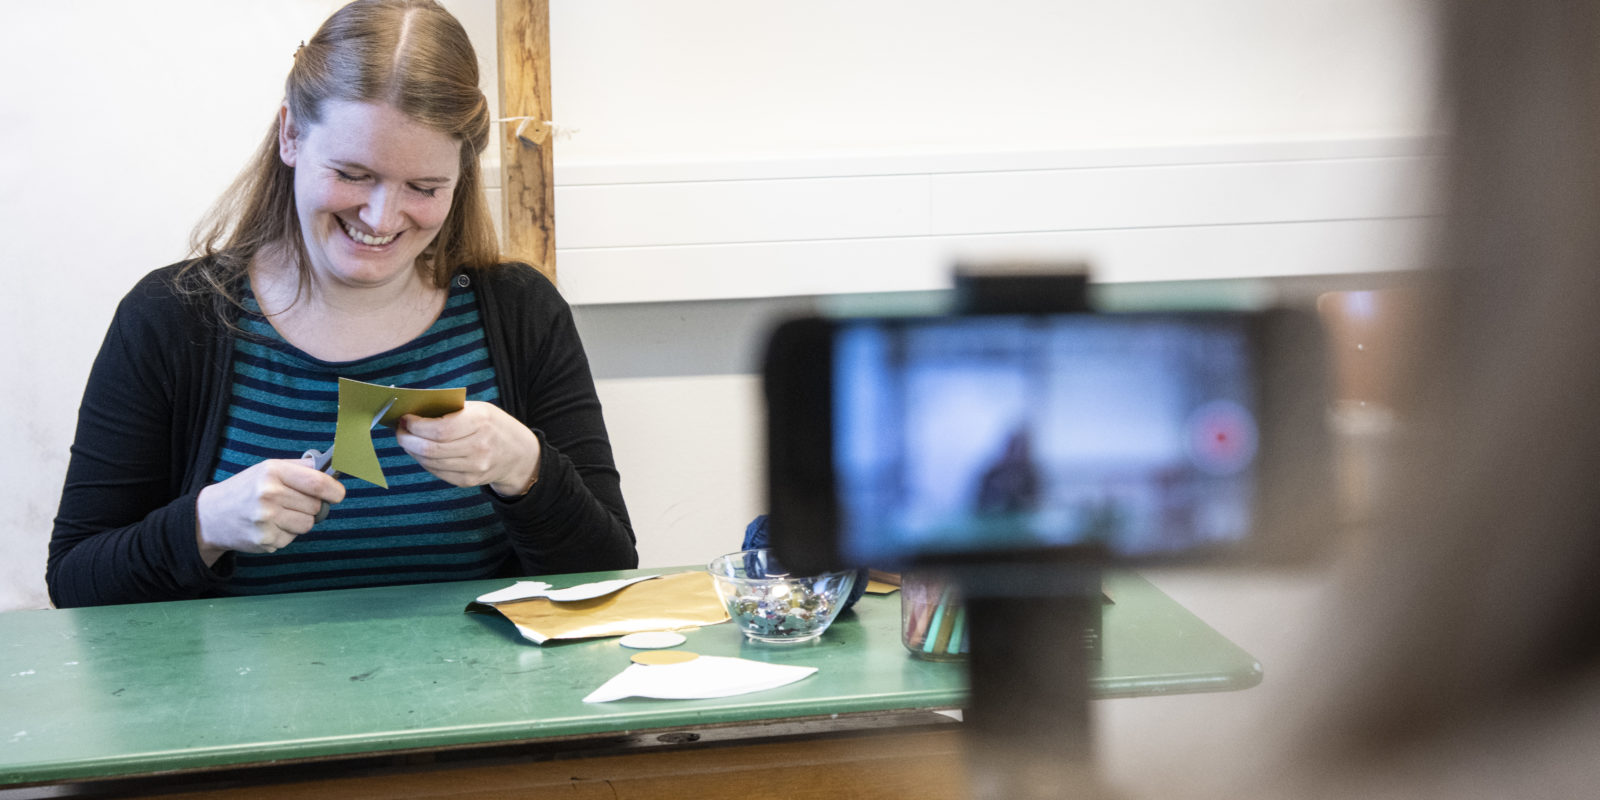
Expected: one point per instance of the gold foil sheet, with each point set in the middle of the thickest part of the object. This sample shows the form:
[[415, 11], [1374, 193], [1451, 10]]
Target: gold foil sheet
[[682, 600]]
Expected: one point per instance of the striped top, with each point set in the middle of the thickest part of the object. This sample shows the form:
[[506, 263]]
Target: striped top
[[284, 402]]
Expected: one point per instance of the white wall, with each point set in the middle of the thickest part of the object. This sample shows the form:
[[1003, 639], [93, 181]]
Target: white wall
[[122, 121], [731, 150], [698, 80]]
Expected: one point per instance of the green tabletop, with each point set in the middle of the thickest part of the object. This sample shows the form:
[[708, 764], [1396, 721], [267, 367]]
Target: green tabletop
[[158, 687]]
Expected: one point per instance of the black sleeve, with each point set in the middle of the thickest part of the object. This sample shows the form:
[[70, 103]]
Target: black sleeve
[[125, 529], [574, 518]]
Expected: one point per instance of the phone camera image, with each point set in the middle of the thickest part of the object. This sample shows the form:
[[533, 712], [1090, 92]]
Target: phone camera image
[[1136, 435], [1107, 437]]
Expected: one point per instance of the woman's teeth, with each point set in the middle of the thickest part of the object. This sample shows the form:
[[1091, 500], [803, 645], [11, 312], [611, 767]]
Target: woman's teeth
[[365, 239]]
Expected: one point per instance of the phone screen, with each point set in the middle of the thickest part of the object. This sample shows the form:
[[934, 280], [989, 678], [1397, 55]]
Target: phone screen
[[1132, 433]]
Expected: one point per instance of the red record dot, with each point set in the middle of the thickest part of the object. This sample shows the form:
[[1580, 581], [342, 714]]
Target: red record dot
[[1222, 437]]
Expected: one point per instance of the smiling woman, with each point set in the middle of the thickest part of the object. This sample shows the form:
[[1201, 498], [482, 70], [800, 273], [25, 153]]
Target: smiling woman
[[356, 244], [372, 173], [372, 192]]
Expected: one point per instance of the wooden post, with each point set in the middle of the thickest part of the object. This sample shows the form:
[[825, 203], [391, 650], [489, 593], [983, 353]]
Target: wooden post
[[527, 165]]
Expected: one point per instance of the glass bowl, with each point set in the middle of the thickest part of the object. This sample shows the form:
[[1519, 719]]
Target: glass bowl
[[770, 605]]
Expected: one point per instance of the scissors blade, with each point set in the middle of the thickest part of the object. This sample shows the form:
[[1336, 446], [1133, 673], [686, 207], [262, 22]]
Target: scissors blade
[[376, 418], [323, 460]]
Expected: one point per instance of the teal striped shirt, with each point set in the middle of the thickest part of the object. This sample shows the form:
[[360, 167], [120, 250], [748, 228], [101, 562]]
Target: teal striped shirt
[[420, 529]]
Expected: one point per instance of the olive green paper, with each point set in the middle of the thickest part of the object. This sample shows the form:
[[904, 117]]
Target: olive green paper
[[353, 453]]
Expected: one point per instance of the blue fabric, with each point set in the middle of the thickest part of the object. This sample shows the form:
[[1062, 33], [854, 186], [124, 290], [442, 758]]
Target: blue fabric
[[756, 535], [284, 401]]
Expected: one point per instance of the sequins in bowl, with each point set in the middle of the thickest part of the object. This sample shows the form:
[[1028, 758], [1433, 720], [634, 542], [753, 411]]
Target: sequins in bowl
[[770, 605]]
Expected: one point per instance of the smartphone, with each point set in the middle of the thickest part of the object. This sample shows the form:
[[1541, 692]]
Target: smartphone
[[1100, 437]]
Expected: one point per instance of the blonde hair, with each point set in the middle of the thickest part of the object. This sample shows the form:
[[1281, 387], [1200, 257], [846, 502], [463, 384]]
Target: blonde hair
[[412, 55]]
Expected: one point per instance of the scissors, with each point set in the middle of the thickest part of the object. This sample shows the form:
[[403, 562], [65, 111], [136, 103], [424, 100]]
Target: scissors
[[323, 459]]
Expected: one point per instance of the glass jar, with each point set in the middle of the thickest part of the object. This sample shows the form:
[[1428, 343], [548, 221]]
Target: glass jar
[[933, 620]]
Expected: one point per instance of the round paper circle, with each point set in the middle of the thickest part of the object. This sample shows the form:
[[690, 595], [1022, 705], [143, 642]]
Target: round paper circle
[[652, 640], [659, 657]]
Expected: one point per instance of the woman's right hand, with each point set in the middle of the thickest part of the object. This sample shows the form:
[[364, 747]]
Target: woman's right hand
[[263, 508]]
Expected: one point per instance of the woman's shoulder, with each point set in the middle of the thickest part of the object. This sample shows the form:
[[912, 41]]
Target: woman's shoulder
[[517, 274], [166, 298], [157, 290], [159, 283], [516, 282]]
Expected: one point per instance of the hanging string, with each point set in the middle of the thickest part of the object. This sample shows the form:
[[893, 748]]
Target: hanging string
[[548, 129]]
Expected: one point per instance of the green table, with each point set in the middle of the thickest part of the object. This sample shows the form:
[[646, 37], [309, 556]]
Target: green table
[[167, 688]]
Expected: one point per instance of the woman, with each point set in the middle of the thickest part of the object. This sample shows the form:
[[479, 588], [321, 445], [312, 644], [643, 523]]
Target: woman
[[357, 244]]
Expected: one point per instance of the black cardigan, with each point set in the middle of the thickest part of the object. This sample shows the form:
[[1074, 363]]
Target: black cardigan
[[151, 424]]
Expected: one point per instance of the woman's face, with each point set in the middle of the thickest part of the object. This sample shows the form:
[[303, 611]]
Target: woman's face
[[372, 188]]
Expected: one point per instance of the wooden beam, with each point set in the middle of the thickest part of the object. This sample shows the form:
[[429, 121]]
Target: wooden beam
[[527, 165]]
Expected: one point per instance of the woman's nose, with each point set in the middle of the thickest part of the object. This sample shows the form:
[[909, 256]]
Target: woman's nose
[[382, 212]]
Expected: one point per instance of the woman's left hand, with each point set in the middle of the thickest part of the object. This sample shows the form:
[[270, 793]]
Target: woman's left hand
[[480, 445]]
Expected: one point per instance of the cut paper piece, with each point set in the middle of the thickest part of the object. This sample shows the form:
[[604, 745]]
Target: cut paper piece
[[681, 600], [521, 590], [657, 658], [353, 453], [703, 677], [589, 591], [527, 590], [652, 640]]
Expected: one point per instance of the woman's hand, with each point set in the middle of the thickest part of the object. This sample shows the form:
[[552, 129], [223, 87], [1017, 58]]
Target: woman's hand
[[263, 508], [480, 445]]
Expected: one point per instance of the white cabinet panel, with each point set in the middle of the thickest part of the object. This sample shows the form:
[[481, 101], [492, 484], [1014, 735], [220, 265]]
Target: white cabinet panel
[[1158, 214], [700, 212], [1186, 194], [776, 269]]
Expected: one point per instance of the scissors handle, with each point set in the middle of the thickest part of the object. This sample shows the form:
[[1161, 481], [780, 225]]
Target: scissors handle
[[320, 460], [323, 461]]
